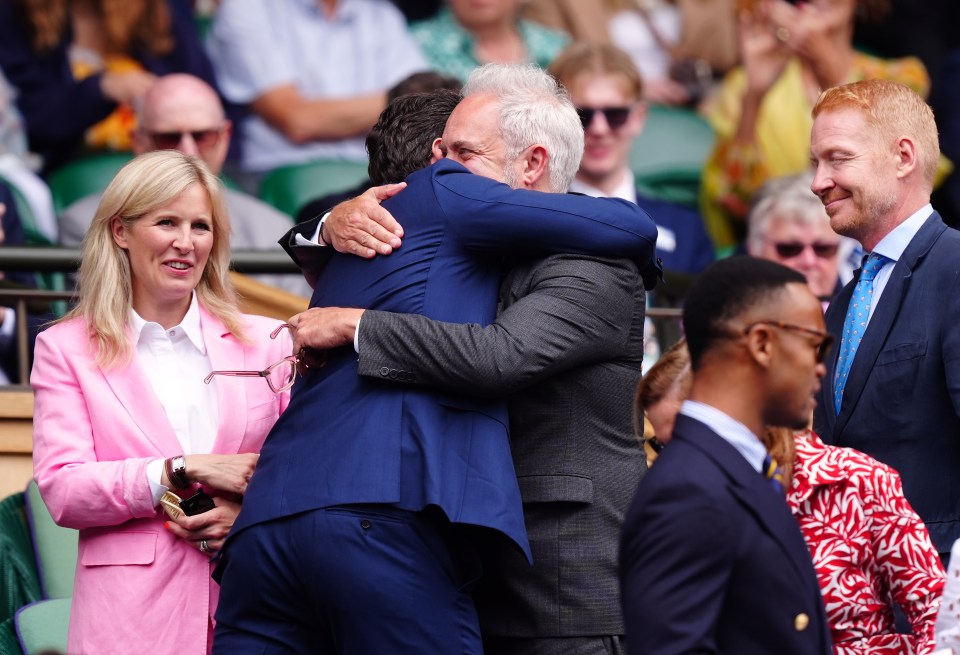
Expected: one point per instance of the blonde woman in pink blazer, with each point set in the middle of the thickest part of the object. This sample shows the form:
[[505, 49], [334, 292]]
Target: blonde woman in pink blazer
[[123, 413]]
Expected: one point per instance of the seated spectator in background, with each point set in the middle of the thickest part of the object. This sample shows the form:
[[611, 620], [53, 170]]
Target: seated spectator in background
[[606, 88], [17, 165], [583, 20], [788, 224], [314, 74], [869, 548], [78, 66], [761, 112], [11, 233], [422, 82], [466, 34], [680, 46], [182, 112]]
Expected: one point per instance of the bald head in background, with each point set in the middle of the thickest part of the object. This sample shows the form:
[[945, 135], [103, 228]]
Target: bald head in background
[[182, 112]]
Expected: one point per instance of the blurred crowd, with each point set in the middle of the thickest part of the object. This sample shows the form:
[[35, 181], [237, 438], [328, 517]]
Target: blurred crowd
[[254, 87]]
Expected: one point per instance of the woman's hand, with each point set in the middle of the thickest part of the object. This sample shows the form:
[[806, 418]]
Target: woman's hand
[[124, 88], [817, 34], [230, 473], [211, 527], [763, 49]]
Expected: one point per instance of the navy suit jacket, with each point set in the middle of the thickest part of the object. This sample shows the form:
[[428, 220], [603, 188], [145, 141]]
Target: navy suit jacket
[[901, 403], [349, 439], [712, 561]]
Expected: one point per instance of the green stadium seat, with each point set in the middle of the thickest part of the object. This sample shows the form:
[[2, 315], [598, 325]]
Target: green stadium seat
[[82, 177], [291, 187], [42, 626], [668, 158], [19, 583], [55, 547]]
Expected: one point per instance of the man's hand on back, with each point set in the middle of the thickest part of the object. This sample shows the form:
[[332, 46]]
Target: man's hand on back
[[362, 227]]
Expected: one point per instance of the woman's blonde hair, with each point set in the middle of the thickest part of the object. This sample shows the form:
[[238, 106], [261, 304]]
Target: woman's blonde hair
[[105, 289]]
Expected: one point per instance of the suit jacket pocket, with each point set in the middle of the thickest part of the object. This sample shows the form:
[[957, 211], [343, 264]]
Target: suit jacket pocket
[[118, 547], [556, 489], [901, 353]]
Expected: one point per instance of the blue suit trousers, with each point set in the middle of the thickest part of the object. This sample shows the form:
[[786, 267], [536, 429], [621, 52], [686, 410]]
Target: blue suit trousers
[[373, 580]]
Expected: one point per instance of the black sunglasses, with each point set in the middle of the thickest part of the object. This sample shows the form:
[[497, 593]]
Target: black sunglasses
[[791, 249], [170, 140], [616, 116]]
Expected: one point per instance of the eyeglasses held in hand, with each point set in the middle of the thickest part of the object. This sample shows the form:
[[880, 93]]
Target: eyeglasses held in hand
[[826, 339], [280, 375], [616, 116], [791, 249], [171, 140]]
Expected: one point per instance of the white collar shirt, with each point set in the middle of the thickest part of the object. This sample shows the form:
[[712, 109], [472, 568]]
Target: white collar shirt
[[730, 430], [892, 247], [175, 363]]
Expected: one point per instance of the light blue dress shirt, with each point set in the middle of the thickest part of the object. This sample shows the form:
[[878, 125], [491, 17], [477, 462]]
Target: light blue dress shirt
[[259, 45], [730, 430], [892, 247]]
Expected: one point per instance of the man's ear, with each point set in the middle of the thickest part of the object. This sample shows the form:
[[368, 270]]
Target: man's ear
[[438, 152], [535, 171], [140, 142], [760, 345], [906, 156]]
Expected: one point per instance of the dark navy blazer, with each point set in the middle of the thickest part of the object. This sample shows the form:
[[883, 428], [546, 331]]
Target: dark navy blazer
[[349, 439], [712, 561], [901, 403]]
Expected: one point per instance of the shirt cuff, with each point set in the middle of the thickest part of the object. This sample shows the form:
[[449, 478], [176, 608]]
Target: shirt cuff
[[154, 474], [356, 335], [314, 240]]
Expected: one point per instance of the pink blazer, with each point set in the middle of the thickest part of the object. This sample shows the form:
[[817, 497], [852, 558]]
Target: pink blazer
[[95, 430]]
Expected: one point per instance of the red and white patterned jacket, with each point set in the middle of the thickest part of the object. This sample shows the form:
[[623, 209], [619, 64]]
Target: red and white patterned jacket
[[870, 550]]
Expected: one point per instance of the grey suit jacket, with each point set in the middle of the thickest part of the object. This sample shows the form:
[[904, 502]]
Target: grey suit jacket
[[566, 350]]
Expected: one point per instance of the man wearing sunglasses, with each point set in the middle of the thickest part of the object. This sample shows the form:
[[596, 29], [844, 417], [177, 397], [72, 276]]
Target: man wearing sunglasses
[[711, 559], [182, 112], [606, 87], [787, 224]]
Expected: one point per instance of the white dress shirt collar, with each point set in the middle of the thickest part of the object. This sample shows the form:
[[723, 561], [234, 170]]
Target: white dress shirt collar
[[190, 325], [893, 245], [729, 429]]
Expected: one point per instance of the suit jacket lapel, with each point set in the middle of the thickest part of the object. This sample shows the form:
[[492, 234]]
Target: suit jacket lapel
[[834, 318], [885, 315], [135, 393], [753, 491], [227, 353]]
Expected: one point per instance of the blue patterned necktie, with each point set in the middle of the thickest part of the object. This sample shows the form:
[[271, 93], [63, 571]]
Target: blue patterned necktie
[[855, 323], [773, 473]]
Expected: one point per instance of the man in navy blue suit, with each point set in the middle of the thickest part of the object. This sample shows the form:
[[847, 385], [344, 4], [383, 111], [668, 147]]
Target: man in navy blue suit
[[363, 522], [893, 385], [712, 561]]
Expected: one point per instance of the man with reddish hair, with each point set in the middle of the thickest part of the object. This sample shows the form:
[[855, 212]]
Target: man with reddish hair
[[892, 388]]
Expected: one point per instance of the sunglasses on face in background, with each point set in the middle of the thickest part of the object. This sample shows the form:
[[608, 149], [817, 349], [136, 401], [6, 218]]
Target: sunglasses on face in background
[[616, 116], [791, 249], [170, 140]]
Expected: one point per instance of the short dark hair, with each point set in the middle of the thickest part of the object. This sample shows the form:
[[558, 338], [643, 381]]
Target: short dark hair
[[401, 141], [423, 82], [726, 290]]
